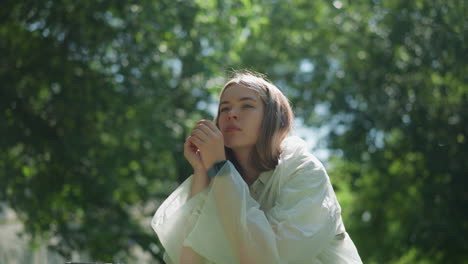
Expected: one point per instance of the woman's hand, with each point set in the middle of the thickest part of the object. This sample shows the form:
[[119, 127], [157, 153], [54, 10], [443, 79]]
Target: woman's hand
[[192, 154], [205, 146]]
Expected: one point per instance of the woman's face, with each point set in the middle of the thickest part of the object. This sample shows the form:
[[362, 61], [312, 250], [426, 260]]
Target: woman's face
[[240, 117]]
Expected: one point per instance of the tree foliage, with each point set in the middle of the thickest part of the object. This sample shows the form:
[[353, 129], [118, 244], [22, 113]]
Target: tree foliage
[[404, 93], [98, 97]]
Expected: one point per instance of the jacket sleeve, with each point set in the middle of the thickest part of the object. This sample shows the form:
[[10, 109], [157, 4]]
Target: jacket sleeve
[[231, 228], [176, 217]]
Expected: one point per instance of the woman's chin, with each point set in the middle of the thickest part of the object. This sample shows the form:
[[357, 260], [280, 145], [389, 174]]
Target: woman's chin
[[233, 145], [230, 144]]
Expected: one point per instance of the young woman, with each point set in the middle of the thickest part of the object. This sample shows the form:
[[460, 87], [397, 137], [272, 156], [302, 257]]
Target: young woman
[[256, 195]]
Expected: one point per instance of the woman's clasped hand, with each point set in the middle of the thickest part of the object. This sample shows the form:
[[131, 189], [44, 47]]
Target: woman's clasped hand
[[205, 146]]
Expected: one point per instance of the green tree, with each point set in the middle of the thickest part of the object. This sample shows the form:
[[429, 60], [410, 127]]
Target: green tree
[[96, 101], [404, 95]]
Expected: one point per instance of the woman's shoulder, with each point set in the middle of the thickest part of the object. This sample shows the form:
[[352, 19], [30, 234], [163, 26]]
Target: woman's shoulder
[[297, 162], [300, 174], [295, 155]]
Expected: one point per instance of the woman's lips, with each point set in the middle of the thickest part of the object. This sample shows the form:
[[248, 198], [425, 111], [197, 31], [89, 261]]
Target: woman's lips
[[231, 129]]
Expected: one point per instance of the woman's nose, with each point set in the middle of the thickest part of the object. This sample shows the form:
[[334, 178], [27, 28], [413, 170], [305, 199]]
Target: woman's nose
[[232, 114]]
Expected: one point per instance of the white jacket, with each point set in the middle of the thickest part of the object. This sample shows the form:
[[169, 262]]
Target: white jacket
[[288, 215]]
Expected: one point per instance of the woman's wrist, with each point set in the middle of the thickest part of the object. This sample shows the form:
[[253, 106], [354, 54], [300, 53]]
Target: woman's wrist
[[200, 181], [213, 170], [200, 171], [213, 161]]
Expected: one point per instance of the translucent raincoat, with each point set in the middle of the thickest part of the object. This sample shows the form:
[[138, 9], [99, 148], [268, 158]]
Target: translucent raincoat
[[288, 215]]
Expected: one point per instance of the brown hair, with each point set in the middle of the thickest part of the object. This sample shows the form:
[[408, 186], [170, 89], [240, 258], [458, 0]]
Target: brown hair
[[276, 124]]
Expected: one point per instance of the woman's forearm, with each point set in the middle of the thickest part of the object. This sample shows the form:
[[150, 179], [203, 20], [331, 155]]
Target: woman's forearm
[[200, 181], [189, 256]]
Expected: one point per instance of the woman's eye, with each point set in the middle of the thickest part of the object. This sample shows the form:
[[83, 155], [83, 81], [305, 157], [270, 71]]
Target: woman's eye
[[224, 109]]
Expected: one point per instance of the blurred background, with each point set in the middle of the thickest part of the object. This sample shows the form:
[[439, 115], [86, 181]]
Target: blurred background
[[97, 97]]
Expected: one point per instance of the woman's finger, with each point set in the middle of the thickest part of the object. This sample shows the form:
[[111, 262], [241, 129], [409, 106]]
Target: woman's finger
[[189, 146], [212, 126], [203, 127], [200, 134], [196, 141]]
